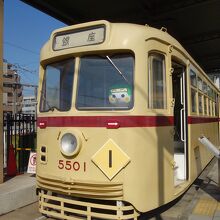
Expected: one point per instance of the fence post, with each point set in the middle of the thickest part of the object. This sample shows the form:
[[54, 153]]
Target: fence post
[[21, 133]]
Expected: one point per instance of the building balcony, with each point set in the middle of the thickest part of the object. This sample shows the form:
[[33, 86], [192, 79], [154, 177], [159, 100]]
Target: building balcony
[[19, 99], [8, 108], [19, 90], [9, 80], [10, 99], [8, 89], [11, 72], [19, 108]]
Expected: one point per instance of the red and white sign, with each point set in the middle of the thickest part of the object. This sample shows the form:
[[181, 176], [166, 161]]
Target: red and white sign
[[32, 163]]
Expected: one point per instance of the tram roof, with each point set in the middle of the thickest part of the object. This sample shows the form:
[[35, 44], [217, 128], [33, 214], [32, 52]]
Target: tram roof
[[139, 32], [194, 23]]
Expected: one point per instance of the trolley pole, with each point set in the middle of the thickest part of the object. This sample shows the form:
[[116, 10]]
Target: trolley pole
[[214, 150]]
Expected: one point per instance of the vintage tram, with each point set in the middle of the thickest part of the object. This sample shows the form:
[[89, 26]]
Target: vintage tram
[[121, 108]]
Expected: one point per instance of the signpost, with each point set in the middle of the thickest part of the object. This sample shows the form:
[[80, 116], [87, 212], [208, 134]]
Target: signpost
[[32, 163]]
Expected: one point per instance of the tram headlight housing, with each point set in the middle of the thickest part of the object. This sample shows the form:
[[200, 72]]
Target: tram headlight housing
[[69, 144]]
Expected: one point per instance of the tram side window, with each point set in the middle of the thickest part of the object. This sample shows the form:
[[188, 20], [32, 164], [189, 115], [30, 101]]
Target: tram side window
[[213, 108], [216, 105], [200, 103], [205, 105], [156, 82], [193, 80], [213, 102], [209, 90], [200, 85], [193, 100], [57, 86], [204, 88]]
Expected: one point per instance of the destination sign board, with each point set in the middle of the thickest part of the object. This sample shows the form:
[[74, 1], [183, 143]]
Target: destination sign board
[[77, 38]]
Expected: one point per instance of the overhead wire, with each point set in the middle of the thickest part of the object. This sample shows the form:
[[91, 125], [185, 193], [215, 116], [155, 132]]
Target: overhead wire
[[25, 79], [21, 48], [19, 68]]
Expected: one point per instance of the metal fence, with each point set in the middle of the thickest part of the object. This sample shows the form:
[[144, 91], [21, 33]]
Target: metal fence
[[19, 133]]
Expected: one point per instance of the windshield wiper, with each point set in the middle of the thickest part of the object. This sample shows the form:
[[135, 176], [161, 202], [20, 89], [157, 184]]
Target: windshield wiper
[[118, 70]]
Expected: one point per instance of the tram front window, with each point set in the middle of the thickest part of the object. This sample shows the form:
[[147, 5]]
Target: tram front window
[[105, 82], [57, 86]]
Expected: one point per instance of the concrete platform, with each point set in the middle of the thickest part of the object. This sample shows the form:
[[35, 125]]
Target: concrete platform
[[17, 192]]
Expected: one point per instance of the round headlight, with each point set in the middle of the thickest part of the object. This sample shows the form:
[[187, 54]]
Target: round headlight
[[69, 144]]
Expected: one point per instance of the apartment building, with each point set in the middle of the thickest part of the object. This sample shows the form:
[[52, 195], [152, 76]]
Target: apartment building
[[29, 105], [12, 90]]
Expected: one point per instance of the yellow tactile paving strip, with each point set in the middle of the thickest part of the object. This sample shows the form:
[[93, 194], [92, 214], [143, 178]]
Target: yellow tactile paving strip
[[206, 206]]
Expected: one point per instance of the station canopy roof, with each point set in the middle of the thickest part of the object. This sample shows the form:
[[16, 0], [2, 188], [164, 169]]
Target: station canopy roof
[[194, 23]]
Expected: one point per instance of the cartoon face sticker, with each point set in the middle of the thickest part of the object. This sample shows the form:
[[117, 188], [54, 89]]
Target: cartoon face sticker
[[120, 96]]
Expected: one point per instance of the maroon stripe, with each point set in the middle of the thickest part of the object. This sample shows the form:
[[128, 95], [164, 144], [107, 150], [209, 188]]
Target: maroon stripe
[[103, 121], [123, 121], [199, 120]]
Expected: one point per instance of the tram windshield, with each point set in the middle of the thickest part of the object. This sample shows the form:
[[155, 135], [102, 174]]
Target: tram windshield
[[105, 82], [57, 86]]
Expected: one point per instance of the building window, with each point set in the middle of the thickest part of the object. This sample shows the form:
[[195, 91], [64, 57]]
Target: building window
[[157, 82]]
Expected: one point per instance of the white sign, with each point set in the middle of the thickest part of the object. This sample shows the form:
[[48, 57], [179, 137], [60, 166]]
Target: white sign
[[32, 163], [79, 38]]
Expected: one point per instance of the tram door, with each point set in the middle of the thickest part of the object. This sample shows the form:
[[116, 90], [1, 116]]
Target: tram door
[[180, 123]]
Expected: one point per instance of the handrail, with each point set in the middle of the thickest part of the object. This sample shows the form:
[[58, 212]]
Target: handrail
[[210, 146], [214, 150]]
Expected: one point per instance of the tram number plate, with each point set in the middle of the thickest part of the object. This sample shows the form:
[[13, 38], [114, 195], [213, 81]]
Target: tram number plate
[[72, 165]]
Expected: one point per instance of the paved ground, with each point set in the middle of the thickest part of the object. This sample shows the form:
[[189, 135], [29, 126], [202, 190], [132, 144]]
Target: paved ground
[[27, 213], [201, 202], [207, 200]]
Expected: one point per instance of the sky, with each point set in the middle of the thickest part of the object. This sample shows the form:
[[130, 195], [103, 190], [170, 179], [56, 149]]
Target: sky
[[26, 29]]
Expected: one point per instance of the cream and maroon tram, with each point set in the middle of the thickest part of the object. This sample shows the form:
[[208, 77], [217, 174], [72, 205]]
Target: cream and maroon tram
[[121, 108]]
